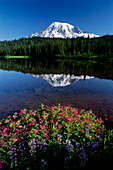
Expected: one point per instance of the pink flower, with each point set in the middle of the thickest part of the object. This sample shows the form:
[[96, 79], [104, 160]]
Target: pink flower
[[74, 119], [91, 118], [40, 126], [9, 120], [46, 131], [34, 121], [82, 131], [52, 120], [83, 110], [86, 119], [17, 126], [59, 126], [101, 121], [18, 138], [23, 119], [21, 112], [29, 124], [0, 132], [47, 137], [44, 127], [18, 131]]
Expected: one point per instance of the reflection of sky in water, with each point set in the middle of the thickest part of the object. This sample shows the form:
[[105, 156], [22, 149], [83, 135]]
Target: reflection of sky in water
[[18, 91]]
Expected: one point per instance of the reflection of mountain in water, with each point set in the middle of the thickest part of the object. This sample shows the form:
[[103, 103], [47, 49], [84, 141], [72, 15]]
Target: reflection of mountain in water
[[58, 80]]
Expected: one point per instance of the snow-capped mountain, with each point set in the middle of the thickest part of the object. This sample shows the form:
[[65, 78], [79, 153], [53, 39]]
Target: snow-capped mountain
[[63, 30], [58, 80]]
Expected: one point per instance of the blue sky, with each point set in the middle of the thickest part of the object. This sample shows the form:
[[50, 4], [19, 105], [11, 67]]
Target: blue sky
[[21, 18]]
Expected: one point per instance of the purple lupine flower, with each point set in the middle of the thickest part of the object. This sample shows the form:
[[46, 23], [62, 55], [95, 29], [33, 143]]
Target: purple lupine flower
[[13, 156], [44, 163], [69, 146], [32, 146], [44, 146]]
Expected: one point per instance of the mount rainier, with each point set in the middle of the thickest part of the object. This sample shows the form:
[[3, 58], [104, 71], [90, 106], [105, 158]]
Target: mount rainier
[[61, 80], [63, 30]]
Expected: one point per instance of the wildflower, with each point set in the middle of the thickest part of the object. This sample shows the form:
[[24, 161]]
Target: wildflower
[[91, 118], [74, 119], [21, 112], [18, 138], [82, 131], [34, 121], [47, 137], [59, 139], [44, 127], [0, 163], [52, 120], [44, 163], [29, 124], [101, 121], [59, 126], [46, 131]]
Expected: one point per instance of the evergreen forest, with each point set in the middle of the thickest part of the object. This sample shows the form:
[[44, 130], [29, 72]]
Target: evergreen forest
[[38, 47]]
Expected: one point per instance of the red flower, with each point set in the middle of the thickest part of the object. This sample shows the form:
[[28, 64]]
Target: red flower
[[59, 126], [44, 127], [47, 137], [82, 131], [34, 121], [46, 131]]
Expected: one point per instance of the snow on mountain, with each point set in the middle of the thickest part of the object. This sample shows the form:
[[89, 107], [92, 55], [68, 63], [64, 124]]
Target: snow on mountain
[[61, 80], [63, 30]]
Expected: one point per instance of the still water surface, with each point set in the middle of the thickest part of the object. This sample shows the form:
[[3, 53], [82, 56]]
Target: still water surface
[[19, 90]]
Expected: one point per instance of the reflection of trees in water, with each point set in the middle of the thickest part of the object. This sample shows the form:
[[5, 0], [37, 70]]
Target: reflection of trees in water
[[91, 68]]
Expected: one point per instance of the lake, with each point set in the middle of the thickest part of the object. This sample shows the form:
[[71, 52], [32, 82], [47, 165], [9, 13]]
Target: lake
[[82, 84]]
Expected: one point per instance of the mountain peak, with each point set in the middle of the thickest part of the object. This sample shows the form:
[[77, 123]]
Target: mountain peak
[[61, 80], [63, 30]]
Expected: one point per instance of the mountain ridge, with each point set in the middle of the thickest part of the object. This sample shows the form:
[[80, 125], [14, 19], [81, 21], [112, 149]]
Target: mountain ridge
[[63, 30], [61, 80]]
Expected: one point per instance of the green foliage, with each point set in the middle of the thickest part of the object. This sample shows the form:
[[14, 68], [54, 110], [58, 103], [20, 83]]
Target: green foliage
[[51, 47]]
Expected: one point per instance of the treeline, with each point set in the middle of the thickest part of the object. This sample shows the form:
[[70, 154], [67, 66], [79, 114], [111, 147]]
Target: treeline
[[50, 47]]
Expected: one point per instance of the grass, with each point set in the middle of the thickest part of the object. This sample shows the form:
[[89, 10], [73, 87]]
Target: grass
[[55, 137], [9, 57]]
